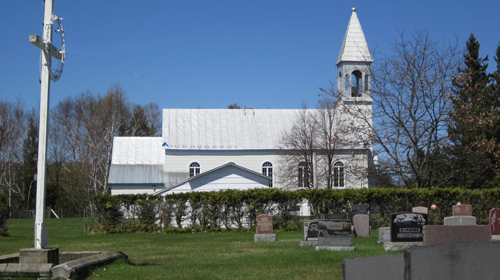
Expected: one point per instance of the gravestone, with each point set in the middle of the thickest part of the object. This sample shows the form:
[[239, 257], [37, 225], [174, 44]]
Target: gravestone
[[384, 234], [359, 209], [361, 224], [460, 221], [408, 227], [420, 209], [264, 229], [311, 229], [462, 210], [455, 234], [337, 216], [334, 233], [495, 221]]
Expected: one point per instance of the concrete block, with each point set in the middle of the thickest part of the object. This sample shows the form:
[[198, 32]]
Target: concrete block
[[76, 267], [335, 241], [399, 246], [44, 270], [460, 221], [39, 256], [385, 267], [384, 234], [495, 238], [3, 266], [335, 248], [22, 270], [457, 261], [453, 234], [11, 269], [264, 237]]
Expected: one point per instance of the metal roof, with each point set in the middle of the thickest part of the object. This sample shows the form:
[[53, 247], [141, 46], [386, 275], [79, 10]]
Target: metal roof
[[136, 174], [354, 47], [138, 150], [226, 129]]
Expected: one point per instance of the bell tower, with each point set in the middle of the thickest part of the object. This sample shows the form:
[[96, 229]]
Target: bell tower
[[353, 64]]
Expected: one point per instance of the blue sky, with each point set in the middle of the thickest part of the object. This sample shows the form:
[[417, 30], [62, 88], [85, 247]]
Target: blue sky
[[209, 54]]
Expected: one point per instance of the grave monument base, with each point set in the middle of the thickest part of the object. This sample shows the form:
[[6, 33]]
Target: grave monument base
[[495, 238], [310, 243], [398, 246], [460, 221], [264, 237], [39, 256], [335, 248]]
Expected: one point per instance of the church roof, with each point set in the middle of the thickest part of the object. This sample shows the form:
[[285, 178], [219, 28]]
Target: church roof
[[226, 129], [137, 150], [354, 47]]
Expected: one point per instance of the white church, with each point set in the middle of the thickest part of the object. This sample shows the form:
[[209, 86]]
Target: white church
[[219, 149]]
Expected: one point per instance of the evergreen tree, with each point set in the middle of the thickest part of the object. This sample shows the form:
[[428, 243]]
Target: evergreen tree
[[29, 165], [475, 151]]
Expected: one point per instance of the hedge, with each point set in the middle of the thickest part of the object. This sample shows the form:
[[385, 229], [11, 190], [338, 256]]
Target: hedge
[[237, 210]]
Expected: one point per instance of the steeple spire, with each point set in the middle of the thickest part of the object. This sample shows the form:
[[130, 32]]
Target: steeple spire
[[354, 47]]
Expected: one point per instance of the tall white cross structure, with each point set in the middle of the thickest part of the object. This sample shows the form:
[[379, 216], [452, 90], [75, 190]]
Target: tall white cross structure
[[48, 51]]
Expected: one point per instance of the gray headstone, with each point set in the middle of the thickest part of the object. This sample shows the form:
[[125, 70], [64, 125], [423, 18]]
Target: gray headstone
[[460, 221], [385, 267], [458, 261], [384, 234], [334, 233]]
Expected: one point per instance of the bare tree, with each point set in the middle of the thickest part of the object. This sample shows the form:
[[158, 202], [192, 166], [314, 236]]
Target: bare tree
[[411, 100], [12, 128]]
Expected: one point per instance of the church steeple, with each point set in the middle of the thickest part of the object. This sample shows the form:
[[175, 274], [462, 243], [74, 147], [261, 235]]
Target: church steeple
[[354, 60]]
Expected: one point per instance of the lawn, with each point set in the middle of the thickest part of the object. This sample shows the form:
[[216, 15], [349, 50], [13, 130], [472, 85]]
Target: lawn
[[227, 255]]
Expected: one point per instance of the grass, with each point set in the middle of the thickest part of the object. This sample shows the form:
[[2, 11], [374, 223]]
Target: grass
[[226, 255]]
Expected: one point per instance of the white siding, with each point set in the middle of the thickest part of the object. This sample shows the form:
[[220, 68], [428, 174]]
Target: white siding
[[133, 189]]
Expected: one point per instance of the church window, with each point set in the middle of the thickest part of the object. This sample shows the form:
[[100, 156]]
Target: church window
[[303, 175], [267, 169], [194, 169], [338, 175], [356, 88]]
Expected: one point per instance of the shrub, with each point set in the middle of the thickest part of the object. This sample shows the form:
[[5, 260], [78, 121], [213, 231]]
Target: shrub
[[4, 214]]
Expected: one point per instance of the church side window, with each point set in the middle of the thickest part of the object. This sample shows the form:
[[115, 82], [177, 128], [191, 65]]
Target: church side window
[[194, 169], [303, 175], [267, 169], [338, 175]]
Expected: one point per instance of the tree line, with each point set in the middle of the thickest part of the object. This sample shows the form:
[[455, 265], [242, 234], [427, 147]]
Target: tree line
[[81, 131]]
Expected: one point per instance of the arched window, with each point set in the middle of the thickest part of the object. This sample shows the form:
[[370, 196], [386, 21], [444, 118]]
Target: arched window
[[267, 169], [194, 169], [338, 175], [303, 176], [357, 84]]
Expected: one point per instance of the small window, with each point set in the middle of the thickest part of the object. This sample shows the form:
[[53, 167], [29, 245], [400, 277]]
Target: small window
[[194, 169], [303, 176], [346, 83], [356, 87], [338, 175], [267, 169]]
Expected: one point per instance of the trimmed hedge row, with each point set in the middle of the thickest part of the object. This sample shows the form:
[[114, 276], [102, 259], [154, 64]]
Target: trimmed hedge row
[[237, 210]]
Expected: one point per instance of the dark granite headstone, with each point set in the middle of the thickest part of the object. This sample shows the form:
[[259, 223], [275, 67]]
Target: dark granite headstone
[[374, 208], [462, 210], [264, 224], [408, 227], [495, 221], [359, 209], [334, 233], [311, 229]]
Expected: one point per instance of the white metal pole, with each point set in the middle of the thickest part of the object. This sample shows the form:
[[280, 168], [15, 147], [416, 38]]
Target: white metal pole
[[40, 233]]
